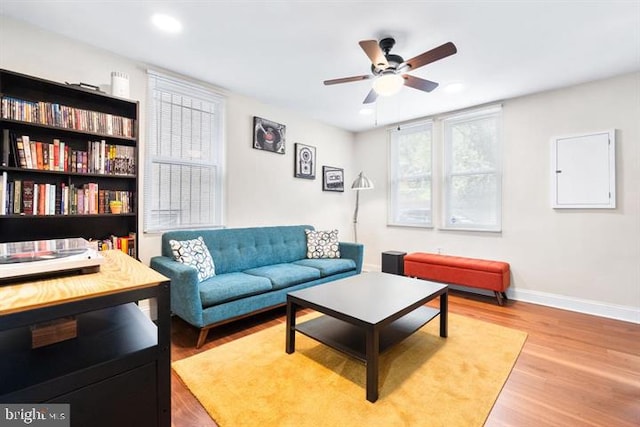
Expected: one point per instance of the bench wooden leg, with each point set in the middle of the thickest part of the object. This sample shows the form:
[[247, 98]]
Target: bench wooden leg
[[499, 297], [202, 337]]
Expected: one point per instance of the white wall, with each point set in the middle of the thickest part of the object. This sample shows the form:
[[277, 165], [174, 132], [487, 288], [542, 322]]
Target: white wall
[[261, 189], [586, 260]]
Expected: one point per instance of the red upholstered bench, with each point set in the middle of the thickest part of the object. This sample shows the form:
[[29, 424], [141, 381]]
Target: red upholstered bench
[[476, 273]]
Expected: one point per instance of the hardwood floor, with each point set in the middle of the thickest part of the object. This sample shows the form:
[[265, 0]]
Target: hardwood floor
[[574, 369]]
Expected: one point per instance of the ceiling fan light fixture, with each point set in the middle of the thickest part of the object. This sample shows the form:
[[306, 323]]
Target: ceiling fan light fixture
[[388, 84]]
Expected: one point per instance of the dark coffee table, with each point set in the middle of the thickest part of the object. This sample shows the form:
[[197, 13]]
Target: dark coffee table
[[366, 315]]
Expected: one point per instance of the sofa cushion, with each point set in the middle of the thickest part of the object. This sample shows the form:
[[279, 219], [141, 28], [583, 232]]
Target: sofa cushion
[[329, 267], [194, 253], [285, 275], [231, 286], [322, 244]]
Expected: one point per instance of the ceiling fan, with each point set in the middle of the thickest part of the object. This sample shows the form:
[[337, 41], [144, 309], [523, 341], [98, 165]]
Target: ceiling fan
[[389, 69]]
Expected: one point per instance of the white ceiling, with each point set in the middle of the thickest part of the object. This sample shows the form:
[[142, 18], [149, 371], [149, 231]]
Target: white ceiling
[[279, 52]]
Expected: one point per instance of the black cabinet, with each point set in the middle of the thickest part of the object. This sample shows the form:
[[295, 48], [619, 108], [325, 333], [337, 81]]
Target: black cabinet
[[116, 371], [65, 153]]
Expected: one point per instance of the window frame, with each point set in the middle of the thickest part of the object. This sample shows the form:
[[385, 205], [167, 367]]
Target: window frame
[[158, 81], [494, 111], [426, 125]]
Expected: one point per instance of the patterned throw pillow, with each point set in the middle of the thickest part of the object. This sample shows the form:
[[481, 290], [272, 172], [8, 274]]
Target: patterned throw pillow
[[195, 254], [322, 244]]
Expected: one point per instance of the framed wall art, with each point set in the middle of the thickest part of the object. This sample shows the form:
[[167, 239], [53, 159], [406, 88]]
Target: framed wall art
[[305, 162], [332, 179], [268, 135]]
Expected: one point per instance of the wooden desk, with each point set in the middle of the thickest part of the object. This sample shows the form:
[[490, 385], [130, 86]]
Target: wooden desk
[[117, 370]]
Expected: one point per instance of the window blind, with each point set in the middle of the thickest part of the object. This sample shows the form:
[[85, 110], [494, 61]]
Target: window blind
[[183, 175]]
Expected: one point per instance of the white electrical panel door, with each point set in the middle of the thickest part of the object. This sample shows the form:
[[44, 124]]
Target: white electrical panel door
[[583, 173]]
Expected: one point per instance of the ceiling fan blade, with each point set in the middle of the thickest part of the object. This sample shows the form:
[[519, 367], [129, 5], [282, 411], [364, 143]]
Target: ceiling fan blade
[[433, 55], [418, 83], [347, 79], [375, 54], [371, 97]]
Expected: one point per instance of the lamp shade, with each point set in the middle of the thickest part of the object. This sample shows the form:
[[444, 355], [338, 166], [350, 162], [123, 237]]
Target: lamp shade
[[388, 84], [362, 183]]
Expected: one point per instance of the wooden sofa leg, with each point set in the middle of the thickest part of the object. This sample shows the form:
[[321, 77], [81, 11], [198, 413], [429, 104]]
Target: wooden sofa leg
[[202, 337], [499, 297]]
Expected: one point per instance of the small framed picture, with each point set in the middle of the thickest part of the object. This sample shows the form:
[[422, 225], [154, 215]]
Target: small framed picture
[[268, 135], [305, 162], [332, 179]]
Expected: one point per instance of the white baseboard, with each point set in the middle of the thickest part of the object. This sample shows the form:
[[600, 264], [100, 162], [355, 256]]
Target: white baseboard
[[595, 308]]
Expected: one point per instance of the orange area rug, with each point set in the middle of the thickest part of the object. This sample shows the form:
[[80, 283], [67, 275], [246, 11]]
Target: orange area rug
[[424, 381]]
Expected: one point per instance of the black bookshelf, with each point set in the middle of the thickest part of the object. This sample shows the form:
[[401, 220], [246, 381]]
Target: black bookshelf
[[41, 110]]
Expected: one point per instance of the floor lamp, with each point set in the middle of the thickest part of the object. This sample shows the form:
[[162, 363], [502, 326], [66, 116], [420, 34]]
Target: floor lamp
[[360, 183]]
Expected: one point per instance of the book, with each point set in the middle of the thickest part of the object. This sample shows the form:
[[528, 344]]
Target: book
[[27, 151], [61, 156], [66, 158], [17, 197], [80, 205], [3, 193], [46, 195], [34, 155], [57, 210], [39, 155], [10, 197], [103, 147], [51, 156], [123, 243], [56, 155], [41, 198], [22, 159], [36, 194], [27, 197], [45, 156], [6, 147]]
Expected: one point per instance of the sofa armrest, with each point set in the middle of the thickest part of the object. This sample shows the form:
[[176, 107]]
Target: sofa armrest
[[185, 293], [354, 251]]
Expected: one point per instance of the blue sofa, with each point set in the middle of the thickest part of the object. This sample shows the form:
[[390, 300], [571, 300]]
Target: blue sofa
[[255, 269]]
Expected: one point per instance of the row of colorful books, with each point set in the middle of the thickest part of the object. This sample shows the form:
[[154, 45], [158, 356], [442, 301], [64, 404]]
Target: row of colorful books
[[99, 158], [26, 197], [53, 114], [126, 244]]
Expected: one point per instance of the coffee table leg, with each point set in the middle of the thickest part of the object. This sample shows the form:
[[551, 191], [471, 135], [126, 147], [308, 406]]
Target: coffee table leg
[[444, 310], [373, 352], [291, 327]]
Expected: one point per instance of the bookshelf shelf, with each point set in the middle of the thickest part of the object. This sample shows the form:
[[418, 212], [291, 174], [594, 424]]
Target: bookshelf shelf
[[9, 123], [62, 217], [66, 152], [50, 172]]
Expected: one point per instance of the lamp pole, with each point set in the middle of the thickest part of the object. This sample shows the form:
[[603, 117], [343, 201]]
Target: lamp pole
[[360, 183], [355, 216]]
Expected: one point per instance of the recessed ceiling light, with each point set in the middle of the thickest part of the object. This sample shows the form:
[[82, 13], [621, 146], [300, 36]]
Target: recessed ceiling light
[[366, 111], [166, 23], [454, 87]]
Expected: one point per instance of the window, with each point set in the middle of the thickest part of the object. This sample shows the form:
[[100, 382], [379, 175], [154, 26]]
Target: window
[[183, 175], [472, 172], [410, 173]]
